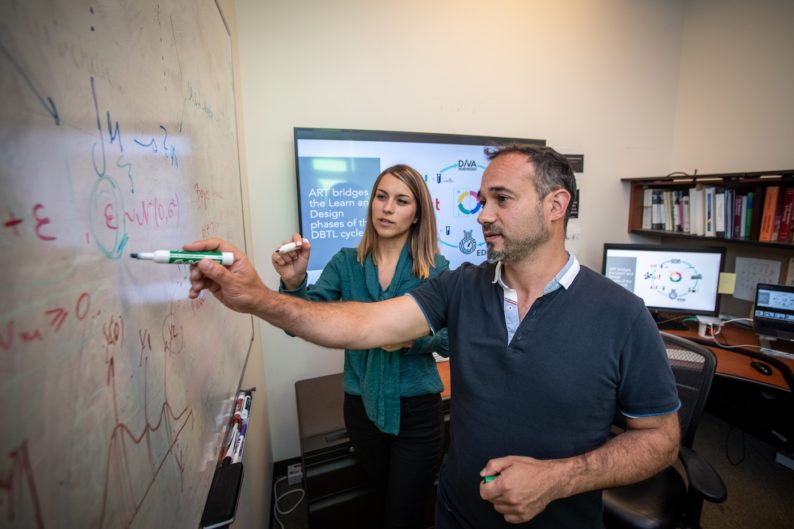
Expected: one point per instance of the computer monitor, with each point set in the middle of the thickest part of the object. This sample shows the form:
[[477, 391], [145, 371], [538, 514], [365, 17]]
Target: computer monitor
[[668, 279], [773, 316], [337, 167]]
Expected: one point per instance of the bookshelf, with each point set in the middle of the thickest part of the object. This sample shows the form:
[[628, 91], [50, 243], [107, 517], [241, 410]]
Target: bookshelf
[[677, 217]]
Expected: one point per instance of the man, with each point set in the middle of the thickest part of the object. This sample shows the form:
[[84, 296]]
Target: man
[[543, 353]]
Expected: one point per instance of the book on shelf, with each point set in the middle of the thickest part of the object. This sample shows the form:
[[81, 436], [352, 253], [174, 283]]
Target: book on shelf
[[719, 212], [667, 206], [778, 216], [710, 213], [647, 208], [729, 215], [755, 220], [747, 214], [696, 215], [686, 227], [747, 205], [786, 215], [657, 218], [678, 214], [768, 213], [739, 204]]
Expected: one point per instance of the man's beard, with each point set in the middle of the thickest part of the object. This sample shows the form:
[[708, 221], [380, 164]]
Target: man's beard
[[516, 250]]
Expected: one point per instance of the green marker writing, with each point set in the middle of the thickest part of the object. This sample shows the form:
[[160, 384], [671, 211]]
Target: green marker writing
[[181, 257]]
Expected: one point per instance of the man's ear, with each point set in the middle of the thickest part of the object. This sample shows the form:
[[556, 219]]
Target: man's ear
[[558, 201]]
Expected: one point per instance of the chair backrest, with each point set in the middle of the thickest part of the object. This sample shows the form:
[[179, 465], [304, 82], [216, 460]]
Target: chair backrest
[[693, 366]]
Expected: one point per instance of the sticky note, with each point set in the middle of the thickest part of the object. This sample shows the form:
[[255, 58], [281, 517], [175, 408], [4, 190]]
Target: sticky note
[[727, 283]]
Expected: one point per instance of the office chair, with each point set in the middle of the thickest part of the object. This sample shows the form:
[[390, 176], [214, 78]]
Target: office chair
[[666, 500]]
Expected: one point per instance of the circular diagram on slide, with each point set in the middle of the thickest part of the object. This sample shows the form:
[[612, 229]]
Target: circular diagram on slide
[[674, 278], [457, 206]]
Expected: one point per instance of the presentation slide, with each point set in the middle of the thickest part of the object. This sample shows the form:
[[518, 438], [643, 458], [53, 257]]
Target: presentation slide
[[336, 177]]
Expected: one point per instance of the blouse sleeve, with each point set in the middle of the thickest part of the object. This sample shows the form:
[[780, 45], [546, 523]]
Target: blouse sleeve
[[437, 343], [328, 286]]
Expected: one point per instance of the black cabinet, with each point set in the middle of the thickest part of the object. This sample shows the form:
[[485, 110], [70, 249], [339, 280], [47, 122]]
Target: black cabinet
[[337, 490]]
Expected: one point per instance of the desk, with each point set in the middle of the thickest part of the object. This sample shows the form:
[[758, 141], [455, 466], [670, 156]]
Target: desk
[[443, 371], [741, 395], [732, 363]]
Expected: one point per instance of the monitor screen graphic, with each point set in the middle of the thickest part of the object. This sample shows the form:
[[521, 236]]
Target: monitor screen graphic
[[668, 279], [336, 169], [773, 315]]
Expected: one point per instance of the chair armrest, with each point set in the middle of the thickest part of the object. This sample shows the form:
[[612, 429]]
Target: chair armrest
[[701, 476]]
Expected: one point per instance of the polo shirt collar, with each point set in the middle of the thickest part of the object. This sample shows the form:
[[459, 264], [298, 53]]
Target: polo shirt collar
[[564, 277]]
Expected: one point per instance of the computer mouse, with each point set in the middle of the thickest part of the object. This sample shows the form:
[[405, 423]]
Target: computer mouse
[[762, 368]]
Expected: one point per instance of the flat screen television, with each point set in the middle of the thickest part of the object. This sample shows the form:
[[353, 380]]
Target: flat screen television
[[668, 279], [773, 315], [337, 167]]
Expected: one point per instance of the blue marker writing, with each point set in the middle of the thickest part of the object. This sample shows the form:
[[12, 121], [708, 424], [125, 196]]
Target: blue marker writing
[[181, 257]]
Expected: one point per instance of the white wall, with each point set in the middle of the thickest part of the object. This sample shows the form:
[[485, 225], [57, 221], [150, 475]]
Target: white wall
[[640, 88], [736, 92], [597, 78]]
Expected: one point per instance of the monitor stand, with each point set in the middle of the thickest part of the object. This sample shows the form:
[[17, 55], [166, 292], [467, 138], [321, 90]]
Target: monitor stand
[[665, 323]]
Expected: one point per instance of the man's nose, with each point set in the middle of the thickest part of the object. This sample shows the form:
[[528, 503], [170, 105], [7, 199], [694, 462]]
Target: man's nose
[[485, 216]]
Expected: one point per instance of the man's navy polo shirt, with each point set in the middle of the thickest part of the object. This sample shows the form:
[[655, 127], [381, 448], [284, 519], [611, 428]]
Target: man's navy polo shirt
[[579, 355]]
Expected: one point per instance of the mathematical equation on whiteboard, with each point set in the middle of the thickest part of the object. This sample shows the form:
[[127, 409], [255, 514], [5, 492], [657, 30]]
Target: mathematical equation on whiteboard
[[118, 137], [750, 272], [109, 215]]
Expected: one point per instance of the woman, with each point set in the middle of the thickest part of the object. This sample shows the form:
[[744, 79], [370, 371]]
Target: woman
[[392, 404]]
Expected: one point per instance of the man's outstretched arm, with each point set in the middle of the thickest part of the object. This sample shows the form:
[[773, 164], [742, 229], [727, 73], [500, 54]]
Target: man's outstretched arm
[[351, 325]]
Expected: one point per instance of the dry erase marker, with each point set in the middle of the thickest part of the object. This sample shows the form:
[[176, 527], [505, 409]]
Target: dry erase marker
[[238, 410], [290, 247], [233, 431], [488, 479], [227, 458], [180, 257], [230, 455], [238, 451], [246, 409]]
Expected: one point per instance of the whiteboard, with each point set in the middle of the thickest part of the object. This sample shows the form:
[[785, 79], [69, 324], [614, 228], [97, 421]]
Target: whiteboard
[[117, 135]]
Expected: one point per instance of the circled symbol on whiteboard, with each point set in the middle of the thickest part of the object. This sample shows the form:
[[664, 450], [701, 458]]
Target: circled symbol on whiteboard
[[106, 217]]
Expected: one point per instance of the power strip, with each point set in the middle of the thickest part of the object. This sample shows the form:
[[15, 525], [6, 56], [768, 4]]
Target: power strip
[[708, 324]]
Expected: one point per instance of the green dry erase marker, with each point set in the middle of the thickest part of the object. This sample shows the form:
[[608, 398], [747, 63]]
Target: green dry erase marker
[[181, 257], [488, 479]]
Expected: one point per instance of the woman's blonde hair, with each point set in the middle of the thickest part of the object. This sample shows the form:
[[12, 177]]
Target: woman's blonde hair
[[422, 236]]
